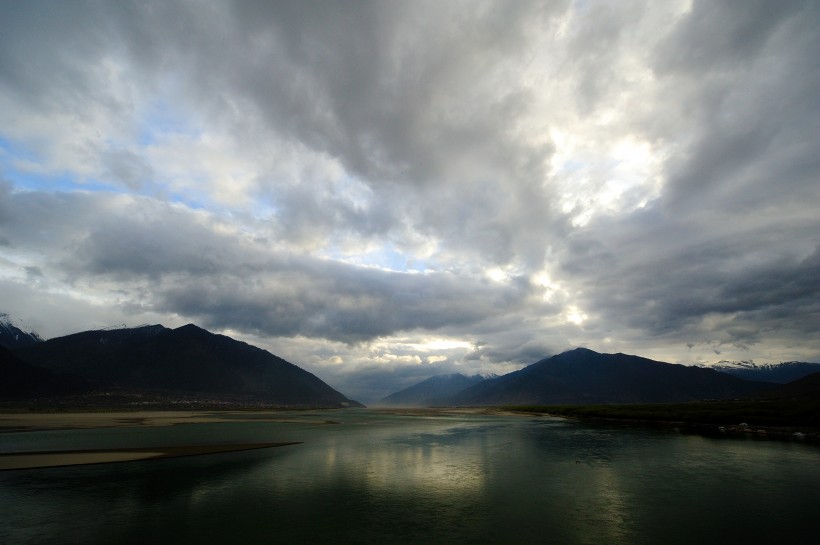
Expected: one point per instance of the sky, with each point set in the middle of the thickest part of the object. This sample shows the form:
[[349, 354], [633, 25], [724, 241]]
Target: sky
[[383, 191]]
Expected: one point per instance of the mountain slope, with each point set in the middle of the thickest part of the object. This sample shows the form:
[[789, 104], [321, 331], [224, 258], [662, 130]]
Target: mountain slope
[[185, 360], [584, 376], [19, 379], [432, 390], [13, 337], [805, 387], [100, 355]]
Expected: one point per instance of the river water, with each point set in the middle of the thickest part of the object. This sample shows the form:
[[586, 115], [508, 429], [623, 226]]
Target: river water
[[377, 477]]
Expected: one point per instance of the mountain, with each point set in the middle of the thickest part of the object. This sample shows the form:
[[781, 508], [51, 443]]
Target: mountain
[[13, 337], [584, 376], [780, 373], [19, 379], [183, 361], [430, 391], [805, 387]]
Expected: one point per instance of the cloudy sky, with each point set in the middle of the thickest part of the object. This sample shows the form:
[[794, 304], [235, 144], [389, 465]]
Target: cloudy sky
[[382, 191]]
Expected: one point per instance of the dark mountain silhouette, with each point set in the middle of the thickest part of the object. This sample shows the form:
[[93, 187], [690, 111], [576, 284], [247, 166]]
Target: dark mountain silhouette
[[806, 387], [431, 391], [187, 360], [19, 379], [13, 337], [584, 376], [780, 373]]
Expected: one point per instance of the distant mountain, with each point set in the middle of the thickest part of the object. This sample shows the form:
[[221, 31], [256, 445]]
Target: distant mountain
[[431, 391], [19, 379], [183, 361], [780, 373], [13, 337], [584, 376]]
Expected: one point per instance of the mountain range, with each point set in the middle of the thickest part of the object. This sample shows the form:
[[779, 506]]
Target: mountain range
[[585, 376], [780, 373], [805, 387], [187, 362], [432, 391], [21, 380], [190, 364]]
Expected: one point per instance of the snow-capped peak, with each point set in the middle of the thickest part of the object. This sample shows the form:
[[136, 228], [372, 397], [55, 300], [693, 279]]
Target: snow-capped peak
[[13, 336]]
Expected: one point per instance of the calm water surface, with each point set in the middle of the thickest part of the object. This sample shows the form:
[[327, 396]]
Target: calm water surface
[[382, 478]]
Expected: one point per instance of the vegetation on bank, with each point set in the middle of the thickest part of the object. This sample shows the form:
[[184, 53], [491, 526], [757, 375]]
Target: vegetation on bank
[[802, 412]]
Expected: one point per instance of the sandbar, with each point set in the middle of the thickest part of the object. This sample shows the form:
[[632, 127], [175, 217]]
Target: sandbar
[[42, 459], [17, 422]]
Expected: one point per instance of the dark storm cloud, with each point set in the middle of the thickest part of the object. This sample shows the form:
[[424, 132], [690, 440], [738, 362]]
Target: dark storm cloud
[[631, 171], [386, 87], [692, 282], [730, 241], [721, 35], [127, 168], [395, 92], [511, 349], [338, 302], [152, 239], [33, 272], [46, 221], [754, 107], [177, 261], [391, 89], [33, 69], [310, 212], [728, 253], [401, 98]]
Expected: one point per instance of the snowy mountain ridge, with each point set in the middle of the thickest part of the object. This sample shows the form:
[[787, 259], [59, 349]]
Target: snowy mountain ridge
[[12, 335]]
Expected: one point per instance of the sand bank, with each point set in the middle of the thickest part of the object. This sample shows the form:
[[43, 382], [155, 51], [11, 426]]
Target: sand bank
[[30, 460], [14, 422]]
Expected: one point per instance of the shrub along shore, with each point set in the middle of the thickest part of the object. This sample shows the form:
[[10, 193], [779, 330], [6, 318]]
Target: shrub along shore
[[775, 418]]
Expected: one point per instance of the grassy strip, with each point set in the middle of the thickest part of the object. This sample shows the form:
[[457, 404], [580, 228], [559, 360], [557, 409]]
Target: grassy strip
[[780, 413]]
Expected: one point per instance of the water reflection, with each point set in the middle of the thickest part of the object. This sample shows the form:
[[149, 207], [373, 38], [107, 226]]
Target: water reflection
[[444, 464], [379, 478]]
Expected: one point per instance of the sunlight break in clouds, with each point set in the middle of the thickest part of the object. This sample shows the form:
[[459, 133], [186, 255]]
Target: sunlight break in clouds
[[381, 192]]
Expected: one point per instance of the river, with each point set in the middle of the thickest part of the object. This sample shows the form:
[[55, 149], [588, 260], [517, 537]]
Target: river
[[366, 476]]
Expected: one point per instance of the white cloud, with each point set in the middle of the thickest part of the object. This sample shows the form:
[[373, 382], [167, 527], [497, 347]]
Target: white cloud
[[420, 188]]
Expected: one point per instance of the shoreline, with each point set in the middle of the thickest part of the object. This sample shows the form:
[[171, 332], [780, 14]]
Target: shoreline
[[800, 434]]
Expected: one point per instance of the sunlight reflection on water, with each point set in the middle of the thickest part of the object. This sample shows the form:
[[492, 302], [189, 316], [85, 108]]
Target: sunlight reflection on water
[[380, 478]]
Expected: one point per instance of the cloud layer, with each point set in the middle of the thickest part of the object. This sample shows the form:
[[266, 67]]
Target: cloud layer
[[381, 191]]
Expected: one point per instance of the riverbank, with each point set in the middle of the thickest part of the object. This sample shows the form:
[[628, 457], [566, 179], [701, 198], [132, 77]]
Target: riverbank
[[790, 419]]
